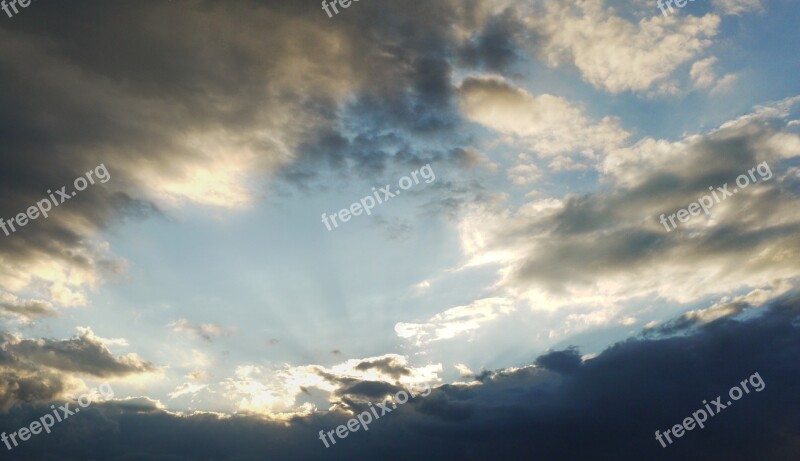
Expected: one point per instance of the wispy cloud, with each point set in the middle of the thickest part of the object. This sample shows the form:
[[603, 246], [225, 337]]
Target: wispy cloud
[[205, 331]]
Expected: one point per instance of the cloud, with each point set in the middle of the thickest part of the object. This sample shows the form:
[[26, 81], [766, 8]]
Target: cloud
[[616, 54], [36, 371], [524, 173], [702, 72], [187, 389], [548, 124], [286, 393], [565, 163], [726, 308], [84, 353], [212, 127], [184, 118], [185, 121], [204, 331], [737, 7], [704, 76], [25, 311], [563, 362], [390, 366], [725, 83], [464, 370], [604, 248], [25, 385], [455, 321], [637, 387]]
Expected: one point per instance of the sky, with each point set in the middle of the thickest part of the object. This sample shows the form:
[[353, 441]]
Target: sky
[[582, 226]]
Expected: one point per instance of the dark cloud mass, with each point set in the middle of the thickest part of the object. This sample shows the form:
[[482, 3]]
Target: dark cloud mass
[[607, 407]]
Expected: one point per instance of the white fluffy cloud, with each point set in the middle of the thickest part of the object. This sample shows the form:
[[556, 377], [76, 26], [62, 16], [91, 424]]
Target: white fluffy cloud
[[616, 54], [704, 76]]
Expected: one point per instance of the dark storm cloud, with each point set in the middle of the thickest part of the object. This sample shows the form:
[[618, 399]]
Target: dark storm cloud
[[607, 407], [564, 362], [370, 391]]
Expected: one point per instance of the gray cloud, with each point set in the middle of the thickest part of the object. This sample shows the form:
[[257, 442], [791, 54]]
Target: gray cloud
[[582, 242], [25, 311], [36, 371], [388, 366], [82, 354]]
